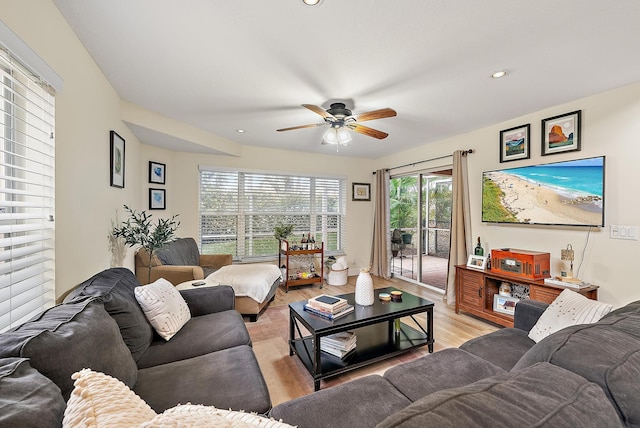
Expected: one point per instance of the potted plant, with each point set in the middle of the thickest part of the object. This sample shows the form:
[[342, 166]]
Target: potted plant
[[139, 230], [282, 231]]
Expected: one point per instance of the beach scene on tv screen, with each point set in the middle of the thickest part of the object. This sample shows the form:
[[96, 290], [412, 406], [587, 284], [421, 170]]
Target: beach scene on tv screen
[[566, 193]]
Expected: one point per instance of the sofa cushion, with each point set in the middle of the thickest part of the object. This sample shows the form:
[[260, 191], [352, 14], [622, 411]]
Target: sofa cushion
[[227, 379], [569, 308], [99, 400], [607, 353], [542, 395], [69, 337], [163, 306], [27, 398], [502, 347], [449, 368], [362, 402], [201, 335], [115, 288], [181, 252]]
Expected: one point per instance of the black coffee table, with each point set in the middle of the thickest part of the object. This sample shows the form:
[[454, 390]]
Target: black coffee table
[[377, 338]]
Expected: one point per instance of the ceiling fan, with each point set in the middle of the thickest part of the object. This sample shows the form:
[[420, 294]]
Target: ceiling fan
[[340, 118]]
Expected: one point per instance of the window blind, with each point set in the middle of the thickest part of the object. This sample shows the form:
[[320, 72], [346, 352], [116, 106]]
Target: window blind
[[27, 197], [239, 210]]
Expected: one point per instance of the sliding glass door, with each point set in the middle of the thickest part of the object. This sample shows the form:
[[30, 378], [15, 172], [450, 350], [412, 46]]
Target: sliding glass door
[[420, 219]]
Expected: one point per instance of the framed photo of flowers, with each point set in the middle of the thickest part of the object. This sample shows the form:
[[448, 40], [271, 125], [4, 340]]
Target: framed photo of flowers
[[561, 133], [515, 143]]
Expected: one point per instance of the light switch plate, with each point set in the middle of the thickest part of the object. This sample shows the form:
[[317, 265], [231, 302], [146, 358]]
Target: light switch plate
[[623, 232]]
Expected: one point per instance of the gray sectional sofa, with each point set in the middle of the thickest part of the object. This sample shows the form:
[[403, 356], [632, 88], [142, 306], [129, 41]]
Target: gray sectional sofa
[[581, 376], [101, 326]]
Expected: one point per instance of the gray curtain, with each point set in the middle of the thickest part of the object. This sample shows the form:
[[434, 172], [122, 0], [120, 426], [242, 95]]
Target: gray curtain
[[460, 223], [380, 248]]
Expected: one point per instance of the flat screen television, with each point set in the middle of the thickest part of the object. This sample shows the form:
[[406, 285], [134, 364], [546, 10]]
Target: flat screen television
[[569, 193]]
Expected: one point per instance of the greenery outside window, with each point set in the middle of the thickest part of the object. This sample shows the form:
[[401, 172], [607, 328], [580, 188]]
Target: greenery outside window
[[240, 209]]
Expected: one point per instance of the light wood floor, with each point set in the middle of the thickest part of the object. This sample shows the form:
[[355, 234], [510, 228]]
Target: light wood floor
[[287, 378]]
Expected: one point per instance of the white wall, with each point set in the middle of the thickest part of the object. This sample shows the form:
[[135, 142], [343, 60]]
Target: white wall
[[610, 127]]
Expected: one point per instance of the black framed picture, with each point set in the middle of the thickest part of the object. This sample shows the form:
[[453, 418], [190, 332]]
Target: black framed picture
[[561, 133], [515, 143], [157, 172], [361, 192], [116, 174], [157, 199]]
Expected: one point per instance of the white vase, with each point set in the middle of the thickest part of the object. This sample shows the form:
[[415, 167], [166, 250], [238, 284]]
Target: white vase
[[364, 288]]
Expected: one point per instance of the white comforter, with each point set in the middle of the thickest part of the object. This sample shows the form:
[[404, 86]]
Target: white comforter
[[251, 280]]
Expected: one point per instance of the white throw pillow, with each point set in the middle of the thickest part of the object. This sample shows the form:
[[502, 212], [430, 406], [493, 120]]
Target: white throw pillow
[[99, 400], [569, 308], [189, 415], [164, 307]]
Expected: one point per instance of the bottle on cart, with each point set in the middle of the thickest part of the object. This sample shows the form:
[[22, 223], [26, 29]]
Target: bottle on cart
[[479, 251], [312, 242], [303, 242]]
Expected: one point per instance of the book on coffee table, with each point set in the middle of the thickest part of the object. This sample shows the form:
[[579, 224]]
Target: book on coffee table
[[327, 303]]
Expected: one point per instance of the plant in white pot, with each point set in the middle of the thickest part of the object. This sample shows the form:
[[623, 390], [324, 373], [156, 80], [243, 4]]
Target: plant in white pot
[[138, 229]]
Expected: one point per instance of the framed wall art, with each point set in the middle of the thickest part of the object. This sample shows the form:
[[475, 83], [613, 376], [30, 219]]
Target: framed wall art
[[361, 192], [157, 172], [157, 199], [515, 143], [561, 133], [116, 160]]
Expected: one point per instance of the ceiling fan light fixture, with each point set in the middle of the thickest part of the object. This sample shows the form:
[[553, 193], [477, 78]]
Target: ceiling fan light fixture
[[311, 2], [331, 136], [344, 137]]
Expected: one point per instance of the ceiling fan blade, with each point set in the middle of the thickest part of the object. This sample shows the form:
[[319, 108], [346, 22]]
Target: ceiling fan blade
[[319, 110], [368, 131], [312, 125], [376, 114]]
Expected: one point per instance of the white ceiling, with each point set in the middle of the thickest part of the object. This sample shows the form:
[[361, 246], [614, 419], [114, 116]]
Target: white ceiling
[[249, 64]]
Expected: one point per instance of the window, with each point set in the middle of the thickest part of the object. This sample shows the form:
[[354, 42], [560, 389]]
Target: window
[[239, 210], [27, 271]]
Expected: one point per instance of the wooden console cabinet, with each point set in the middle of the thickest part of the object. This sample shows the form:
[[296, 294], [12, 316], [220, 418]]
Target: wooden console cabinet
[[475, 290]]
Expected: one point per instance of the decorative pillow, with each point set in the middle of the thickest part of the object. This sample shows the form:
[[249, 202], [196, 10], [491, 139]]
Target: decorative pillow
[[569, 308], [99, 400], [164, 307], [189, 415]]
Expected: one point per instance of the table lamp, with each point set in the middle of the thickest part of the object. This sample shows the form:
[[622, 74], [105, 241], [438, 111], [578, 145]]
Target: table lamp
[[567, 261]]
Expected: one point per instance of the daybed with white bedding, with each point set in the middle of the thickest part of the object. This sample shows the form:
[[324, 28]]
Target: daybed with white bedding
[[254, 285]]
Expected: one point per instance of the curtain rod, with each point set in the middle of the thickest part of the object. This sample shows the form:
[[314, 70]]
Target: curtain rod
[[464, 153]]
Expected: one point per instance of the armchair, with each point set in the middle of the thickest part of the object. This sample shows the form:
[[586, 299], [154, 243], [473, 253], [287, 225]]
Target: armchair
[[178, 261]]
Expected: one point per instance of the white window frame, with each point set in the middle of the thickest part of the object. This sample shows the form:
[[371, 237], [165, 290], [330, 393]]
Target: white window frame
[[27, 185], [239, 210]]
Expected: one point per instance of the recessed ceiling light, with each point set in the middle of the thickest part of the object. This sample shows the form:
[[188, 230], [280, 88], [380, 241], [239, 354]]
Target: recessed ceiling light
[[240, 131], [500, 73], [311, 2]]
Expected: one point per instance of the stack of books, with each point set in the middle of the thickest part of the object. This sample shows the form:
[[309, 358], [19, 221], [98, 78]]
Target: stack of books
[[339, 344], [328, 307]]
